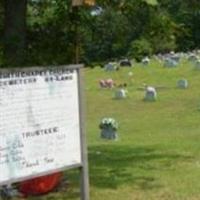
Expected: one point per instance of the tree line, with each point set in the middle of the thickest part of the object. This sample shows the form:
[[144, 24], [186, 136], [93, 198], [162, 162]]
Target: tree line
[[43, 32]]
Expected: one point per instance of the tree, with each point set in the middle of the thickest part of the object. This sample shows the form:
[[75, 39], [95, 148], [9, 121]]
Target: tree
[[15, 31], [50, 32], [1, 31], [107, 35], [140, 48]]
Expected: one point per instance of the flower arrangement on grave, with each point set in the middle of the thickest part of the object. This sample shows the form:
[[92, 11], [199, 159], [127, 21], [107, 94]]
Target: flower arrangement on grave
[[107, 83], [108, 123], [108, 128]]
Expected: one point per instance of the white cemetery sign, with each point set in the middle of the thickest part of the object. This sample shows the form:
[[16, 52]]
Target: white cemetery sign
[[40, 123]]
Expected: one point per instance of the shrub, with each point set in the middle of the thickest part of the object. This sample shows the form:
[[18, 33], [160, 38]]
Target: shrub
[[140, 48]]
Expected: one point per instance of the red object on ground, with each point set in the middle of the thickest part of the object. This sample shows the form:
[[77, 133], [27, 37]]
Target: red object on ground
[[40, 185]]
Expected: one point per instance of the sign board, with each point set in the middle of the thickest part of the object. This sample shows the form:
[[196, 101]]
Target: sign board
[[83, 2], [89, 2], [40, 123], [77, 2]]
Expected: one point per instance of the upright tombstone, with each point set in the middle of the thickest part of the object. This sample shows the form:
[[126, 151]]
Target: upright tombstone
[[109, 128], [41, 124], [120, 94], [150, 94], [170, 63], [182, 84], [110, 67], [125, 63], [145, 60], [197, 64], [192, 57], [175, 57]]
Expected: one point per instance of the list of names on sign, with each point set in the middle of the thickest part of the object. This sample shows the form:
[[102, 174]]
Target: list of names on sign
[[39, 122]]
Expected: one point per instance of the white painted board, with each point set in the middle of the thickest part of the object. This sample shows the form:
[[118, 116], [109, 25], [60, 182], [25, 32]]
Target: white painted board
[[39, 123]]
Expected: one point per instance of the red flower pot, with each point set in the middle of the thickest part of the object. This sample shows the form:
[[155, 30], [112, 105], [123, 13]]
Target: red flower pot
[[40, 185]]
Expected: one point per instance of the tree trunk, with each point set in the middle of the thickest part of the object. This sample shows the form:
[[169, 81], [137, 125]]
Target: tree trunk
[[15, 32]]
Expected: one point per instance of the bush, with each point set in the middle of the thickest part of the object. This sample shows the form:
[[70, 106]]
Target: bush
[[140, 48]]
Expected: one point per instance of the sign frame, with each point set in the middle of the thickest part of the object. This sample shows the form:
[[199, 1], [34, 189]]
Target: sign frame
[[83, 166]]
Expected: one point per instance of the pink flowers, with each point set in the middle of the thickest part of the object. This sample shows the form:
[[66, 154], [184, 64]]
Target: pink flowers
[[107, 83]]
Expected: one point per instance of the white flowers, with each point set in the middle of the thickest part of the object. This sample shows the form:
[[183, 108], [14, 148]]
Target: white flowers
[[108, 123]]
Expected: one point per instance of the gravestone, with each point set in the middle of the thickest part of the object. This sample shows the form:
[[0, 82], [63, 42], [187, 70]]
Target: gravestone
[[182, 84], [145, 61], [197, 64], [121, 94], [108, 128], [150, 94], [170, 63], [192, 57], [109, 133], [125, 63], [176, 58], [110, 67]]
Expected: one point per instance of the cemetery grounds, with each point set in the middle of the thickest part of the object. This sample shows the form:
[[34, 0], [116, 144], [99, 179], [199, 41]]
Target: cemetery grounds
[[157, 155]]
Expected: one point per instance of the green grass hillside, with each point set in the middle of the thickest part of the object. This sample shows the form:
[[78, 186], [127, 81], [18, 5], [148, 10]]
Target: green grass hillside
[[157, 156]]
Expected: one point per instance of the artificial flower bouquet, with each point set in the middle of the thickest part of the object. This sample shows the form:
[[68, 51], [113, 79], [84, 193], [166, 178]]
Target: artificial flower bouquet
[[108, 123], [108, 128]]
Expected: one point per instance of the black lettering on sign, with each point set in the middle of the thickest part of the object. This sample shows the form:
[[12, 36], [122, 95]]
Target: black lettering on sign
[[49, 160], [27, 164], [40, 132]]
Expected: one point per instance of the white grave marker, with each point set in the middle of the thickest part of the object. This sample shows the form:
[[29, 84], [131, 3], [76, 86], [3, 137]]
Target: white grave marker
[[182, 84], [150, 94], [121, 94]]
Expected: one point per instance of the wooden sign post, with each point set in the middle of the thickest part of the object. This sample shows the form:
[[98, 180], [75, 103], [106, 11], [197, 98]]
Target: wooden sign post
[[76, 4], [42, 124]]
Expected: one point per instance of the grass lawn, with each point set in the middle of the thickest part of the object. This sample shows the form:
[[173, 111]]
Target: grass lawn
[[157, 156]]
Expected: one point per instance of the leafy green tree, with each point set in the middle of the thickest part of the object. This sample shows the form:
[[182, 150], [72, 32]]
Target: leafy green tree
[[161, 33], [15, 31], [1, 31], [140, 48], [50, 32], [42, 32], [107, 35], [186, 16]]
